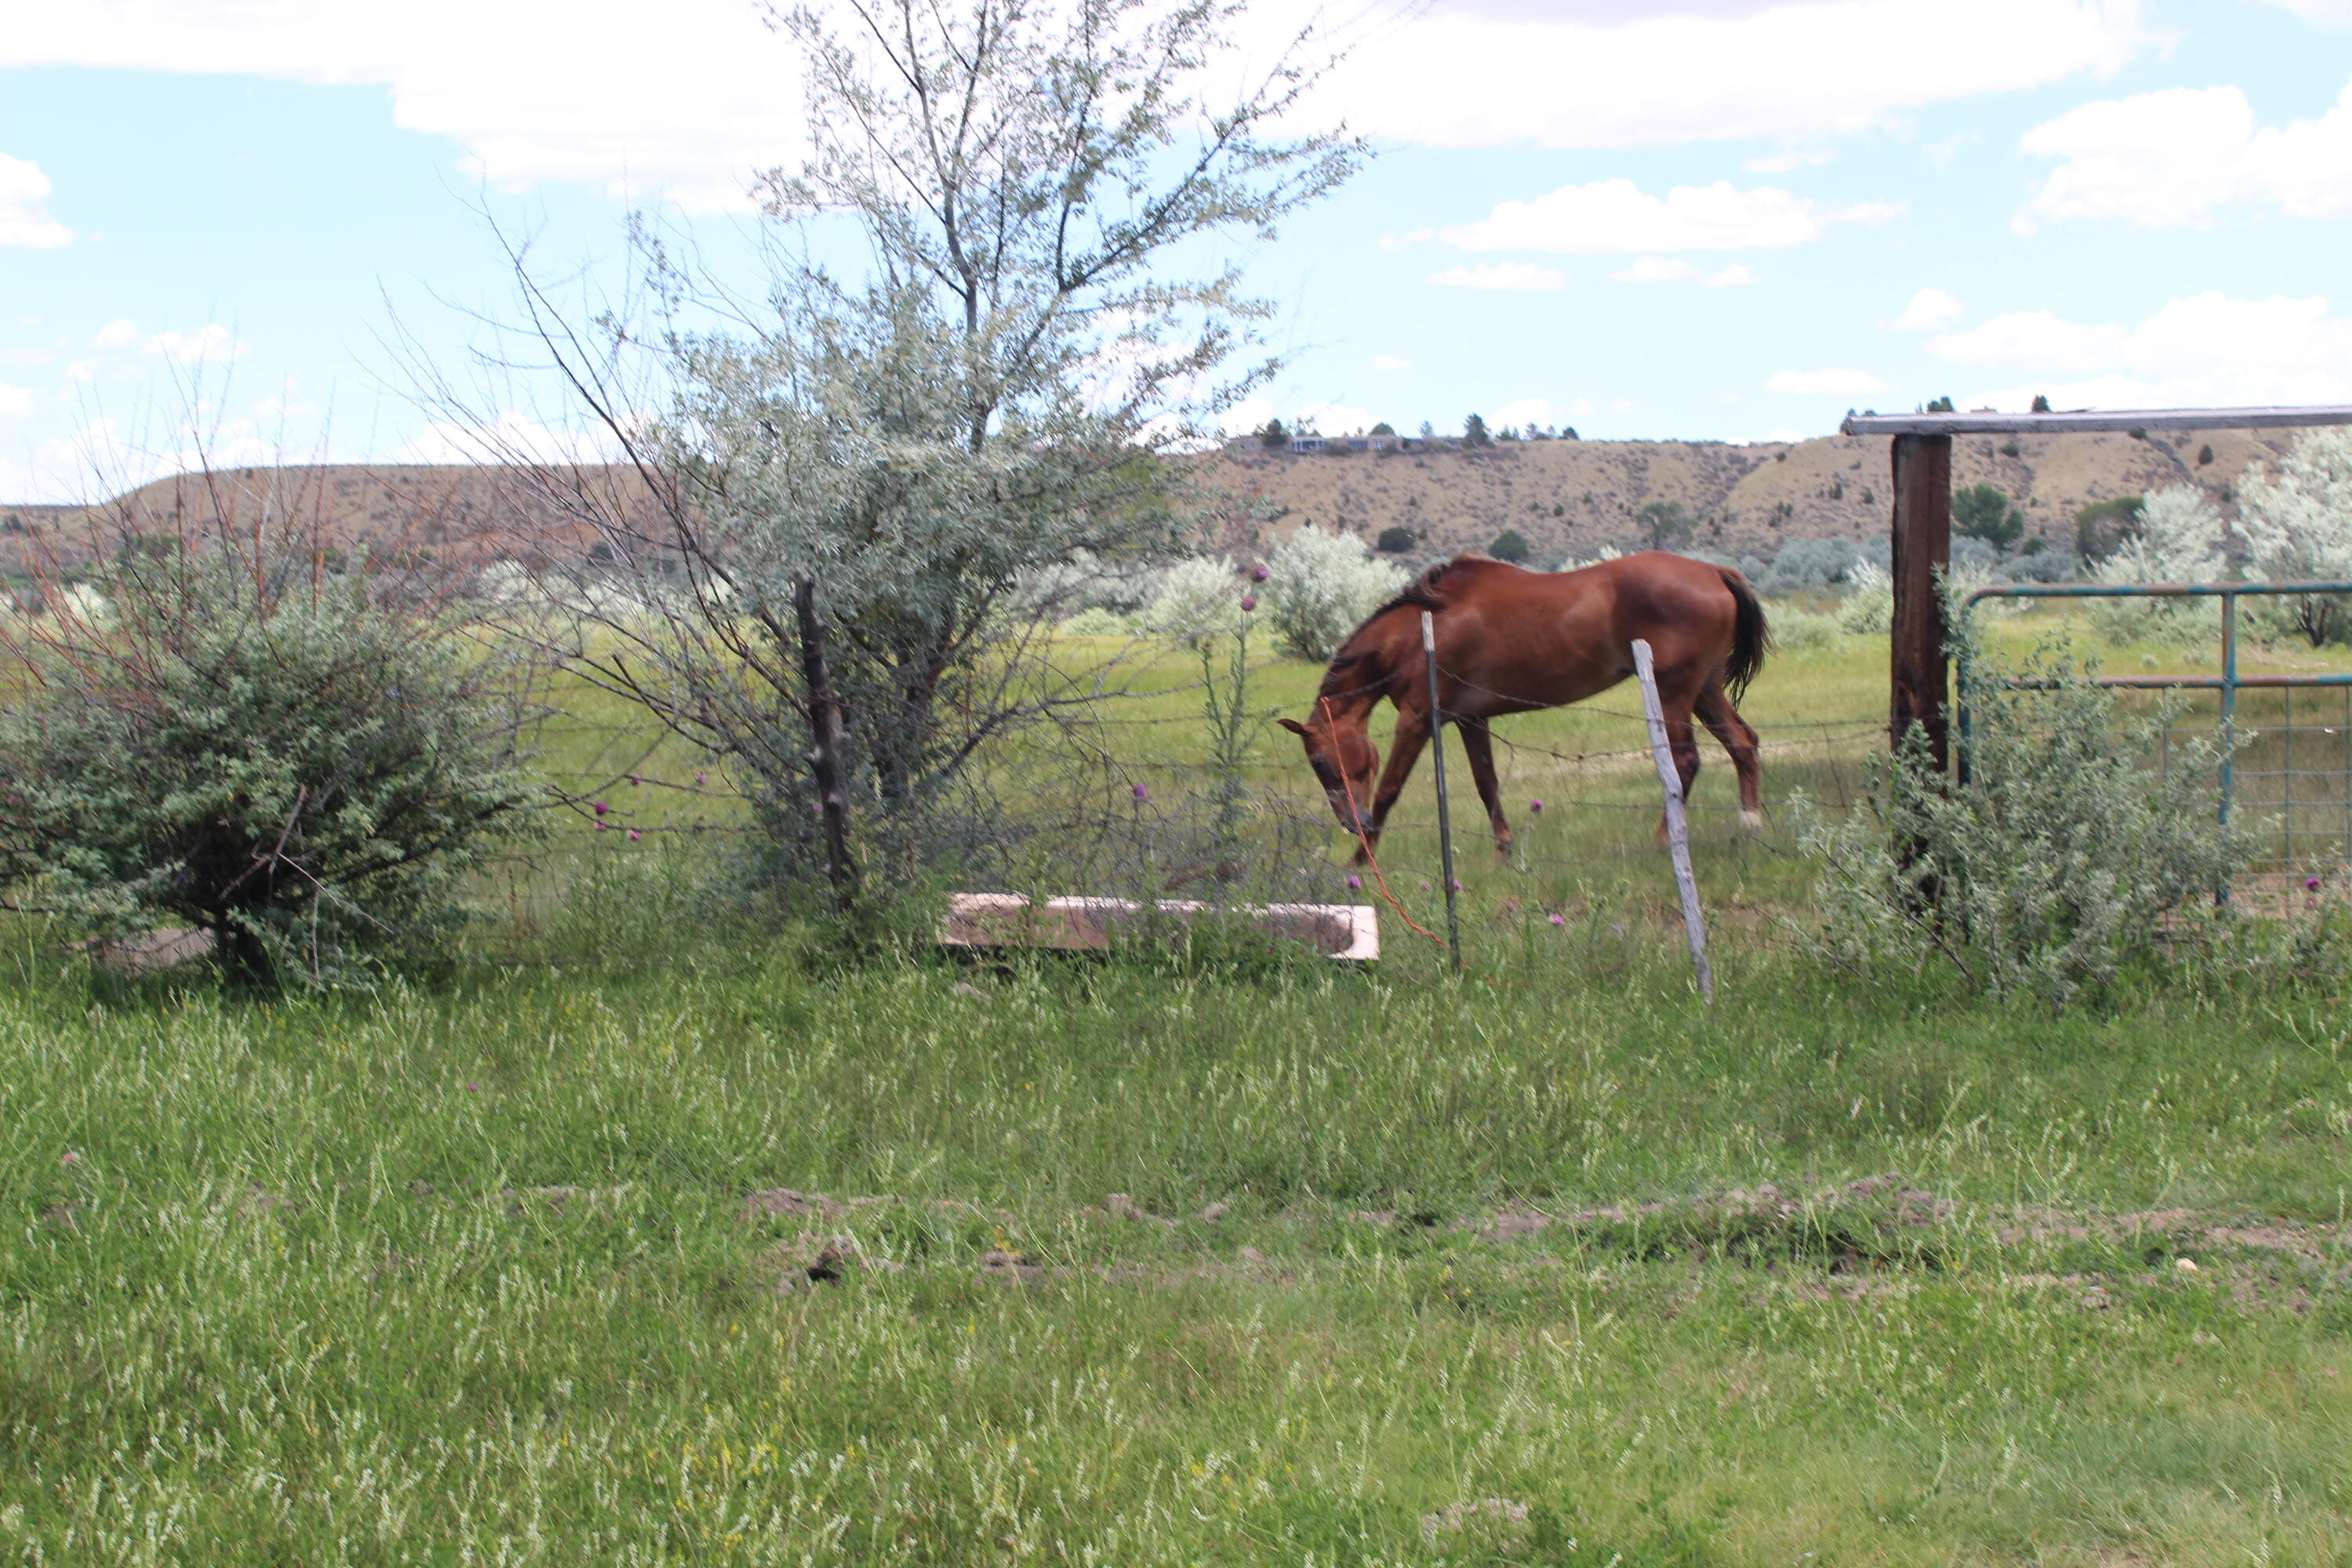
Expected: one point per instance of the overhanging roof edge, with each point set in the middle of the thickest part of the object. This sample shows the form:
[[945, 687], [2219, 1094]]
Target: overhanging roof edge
[[1987, 424]]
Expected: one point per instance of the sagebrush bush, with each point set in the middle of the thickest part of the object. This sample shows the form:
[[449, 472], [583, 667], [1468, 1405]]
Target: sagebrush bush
[[303, 765], [2053, 867], [1869, 610], [1804, 631]]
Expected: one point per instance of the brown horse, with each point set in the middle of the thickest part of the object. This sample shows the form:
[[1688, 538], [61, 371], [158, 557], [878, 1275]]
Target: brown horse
[[1510, 640]]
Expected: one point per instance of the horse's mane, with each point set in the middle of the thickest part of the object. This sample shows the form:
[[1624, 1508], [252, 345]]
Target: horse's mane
[[1426, 592]]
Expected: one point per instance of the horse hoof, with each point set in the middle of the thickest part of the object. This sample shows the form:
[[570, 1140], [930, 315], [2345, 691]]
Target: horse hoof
[[1751, 819]]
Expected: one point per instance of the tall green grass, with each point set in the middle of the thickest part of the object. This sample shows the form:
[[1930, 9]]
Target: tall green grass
[[652, 1233]]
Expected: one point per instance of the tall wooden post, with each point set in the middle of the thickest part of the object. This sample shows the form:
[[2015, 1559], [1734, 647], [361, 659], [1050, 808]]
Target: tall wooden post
[[827, 750], [1923, 549]]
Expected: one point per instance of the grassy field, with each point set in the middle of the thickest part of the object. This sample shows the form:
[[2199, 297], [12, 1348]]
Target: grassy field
[[647, 1236]]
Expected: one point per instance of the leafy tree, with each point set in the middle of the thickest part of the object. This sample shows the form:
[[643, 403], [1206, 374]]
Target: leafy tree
[[2297, 523], [2041, 403], [1473, 432], [2177, 537], [1568, 433], [1510, 546], [1321, 585], [1428, 431], [1395, 540], [1939, 406], [934, 437], [2204, 453], [1983, 512], [1274, 434], [1383, 428], [1663, 524]]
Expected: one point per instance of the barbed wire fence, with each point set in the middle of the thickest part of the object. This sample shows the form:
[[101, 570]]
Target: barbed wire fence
[[1122, 801]]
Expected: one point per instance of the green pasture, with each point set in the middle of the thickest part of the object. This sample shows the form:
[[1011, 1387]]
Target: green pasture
[[652, 1233]]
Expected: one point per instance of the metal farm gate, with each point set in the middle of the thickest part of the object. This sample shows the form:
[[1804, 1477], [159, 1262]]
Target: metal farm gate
[[2299, 768]]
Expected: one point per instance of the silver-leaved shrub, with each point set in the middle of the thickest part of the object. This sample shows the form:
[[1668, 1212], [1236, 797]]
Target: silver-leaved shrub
[[2066, 857], [302, 762]]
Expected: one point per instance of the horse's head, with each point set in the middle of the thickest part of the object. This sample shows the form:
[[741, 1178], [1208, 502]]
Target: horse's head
[[1344, 760]]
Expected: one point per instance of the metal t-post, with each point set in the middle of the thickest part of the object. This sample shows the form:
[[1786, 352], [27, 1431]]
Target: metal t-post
[[1444, 817], [2230, 721]]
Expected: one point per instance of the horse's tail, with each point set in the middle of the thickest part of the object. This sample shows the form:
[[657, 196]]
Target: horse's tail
[[1751, 636]]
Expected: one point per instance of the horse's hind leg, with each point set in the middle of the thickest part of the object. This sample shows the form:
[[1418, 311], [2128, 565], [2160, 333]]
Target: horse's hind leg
[[1739, 740], [1478, 745]]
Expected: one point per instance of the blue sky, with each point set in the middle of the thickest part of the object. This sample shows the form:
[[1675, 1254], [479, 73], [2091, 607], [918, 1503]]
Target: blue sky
[[1697, 219]]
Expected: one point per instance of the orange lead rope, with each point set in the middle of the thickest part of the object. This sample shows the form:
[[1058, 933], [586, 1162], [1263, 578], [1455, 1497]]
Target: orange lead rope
[[1365, 843]]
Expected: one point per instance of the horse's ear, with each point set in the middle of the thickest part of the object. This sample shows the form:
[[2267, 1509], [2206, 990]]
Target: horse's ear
[[1294, 726]]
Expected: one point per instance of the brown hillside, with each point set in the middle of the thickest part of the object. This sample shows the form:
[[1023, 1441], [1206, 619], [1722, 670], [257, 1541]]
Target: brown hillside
[[1566, 498], [1571, 497]]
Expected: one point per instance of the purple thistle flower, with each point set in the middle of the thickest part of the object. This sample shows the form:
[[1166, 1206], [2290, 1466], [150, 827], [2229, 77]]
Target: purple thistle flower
[[1140, 791], [1257, 573], [70, 1159], [1249, 603], [635, 836], [1356, 884], [2311, 883], [601, 809], [472, 1086], [1557, 921], [634, 781], [1457, 884], [699, 779], [1535, 807]]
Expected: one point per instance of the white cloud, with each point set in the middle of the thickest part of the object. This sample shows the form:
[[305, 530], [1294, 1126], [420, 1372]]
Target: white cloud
[[2205, 349], [1929, 309], [1245, 417], [1825, 383], [16, 402], [2321, 12], [24, 220], [209, 344], [1524, 412], [1337, 419], [2169, 159], [1616, 74], [1674, 269], [689, 97], [1789, 162], [510, 437], [1390, 362], [1616, 217], [1520, 276]]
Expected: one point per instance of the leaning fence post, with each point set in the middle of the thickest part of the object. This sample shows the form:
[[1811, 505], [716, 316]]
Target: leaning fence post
[[826, 760], [1444, 817], [1677, 829]]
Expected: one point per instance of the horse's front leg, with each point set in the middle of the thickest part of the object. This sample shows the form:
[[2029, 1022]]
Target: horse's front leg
[[1404, 750], [1478, 745]]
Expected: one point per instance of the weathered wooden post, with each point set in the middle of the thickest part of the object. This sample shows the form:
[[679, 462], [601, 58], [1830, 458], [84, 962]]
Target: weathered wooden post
[[1923, 551], [1444, 817], [1669, 784], [827, 758]]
